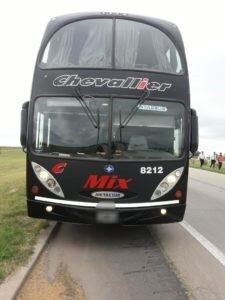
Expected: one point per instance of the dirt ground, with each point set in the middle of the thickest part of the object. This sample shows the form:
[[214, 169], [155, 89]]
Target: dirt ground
[[39, 287]]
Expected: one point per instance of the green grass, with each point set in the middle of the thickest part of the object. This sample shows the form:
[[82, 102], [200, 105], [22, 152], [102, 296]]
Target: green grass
[[194, 163], [17, 231]]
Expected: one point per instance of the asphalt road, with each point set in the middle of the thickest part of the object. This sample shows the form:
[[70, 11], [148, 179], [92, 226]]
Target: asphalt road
[[151, 262], [206, 205], [199, 255]]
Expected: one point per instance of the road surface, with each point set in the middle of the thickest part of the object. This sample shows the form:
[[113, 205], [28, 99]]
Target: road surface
[[199, 254], [172, 261]]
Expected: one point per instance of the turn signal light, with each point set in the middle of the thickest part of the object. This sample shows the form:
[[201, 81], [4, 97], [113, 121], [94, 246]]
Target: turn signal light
[[178, 194], [34, 189]]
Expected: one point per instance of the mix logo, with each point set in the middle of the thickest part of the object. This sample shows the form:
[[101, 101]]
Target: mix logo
[[106, 182]]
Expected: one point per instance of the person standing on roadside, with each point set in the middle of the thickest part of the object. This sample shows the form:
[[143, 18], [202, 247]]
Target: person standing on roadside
[[220, 159], [213, 160], [201, 158]]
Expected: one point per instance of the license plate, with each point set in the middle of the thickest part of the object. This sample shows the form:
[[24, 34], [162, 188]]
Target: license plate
[[107, 217]]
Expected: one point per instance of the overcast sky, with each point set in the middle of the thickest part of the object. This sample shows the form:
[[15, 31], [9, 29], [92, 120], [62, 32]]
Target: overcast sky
[[202, 23]]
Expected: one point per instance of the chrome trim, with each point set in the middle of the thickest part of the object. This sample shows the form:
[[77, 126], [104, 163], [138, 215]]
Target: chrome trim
[[117, 205]]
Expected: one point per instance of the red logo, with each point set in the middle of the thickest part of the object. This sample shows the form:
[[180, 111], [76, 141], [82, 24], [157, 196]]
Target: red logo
[[106, 182], [59, 168]]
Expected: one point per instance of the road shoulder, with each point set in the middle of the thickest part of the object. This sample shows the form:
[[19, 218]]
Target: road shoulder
[[210, 178], [12, 284]]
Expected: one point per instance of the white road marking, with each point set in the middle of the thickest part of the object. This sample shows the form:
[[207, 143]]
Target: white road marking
[[205, 243]]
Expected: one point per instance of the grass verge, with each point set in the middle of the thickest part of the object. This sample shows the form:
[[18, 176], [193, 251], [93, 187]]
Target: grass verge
[[18, 232], [194, 163]]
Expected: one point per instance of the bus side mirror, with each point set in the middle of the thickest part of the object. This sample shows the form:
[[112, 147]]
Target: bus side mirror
[[194, 132], [23, 124]]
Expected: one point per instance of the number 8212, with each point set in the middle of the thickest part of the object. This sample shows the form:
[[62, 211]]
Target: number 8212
[[151, 170]]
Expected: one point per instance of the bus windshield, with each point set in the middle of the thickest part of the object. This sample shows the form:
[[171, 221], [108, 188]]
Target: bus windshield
[[154, 131], [93, 44]]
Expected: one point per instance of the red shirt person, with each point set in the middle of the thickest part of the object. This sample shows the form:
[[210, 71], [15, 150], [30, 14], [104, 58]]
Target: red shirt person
[[220, 160]]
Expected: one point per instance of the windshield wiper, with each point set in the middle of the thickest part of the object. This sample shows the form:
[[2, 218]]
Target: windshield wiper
[[134, 109], [94, 122], [87, 110]]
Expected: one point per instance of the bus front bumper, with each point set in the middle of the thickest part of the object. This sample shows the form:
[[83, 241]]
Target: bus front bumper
[[106, 212]]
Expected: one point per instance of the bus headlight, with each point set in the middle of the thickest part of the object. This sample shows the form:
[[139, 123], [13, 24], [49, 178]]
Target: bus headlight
[[43, 175], [47, 179], [51, 183], [167, 183]]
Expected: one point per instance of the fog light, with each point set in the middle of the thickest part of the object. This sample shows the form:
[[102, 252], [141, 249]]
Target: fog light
[[49, 208], [163, 211]]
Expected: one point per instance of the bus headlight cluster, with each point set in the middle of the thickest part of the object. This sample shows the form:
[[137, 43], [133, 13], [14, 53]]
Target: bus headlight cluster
[[47, 179], [167, 183]]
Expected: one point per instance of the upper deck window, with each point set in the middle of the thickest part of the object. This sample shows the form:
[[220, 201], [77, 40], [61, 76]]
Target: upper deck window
[[90, 44], [144, 47], [83, 44]]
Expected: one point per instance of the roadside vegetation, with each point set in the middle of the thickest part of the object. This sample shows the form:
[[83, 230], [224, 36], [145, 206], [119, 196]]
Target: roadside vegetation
[[194, 163], [17, 231]]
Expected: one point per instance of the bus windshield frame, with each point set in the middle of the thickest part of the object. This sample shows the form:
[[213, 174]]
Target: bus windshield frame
[[115, 138]]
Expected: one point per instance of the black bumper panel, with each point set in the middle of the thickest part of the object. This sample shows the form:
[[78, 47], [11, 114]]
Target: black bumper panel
[[131, 216]]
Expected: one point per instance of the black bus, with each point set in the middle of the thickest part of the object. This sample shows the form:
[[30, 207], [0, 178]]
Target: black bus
[[108, 130]]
